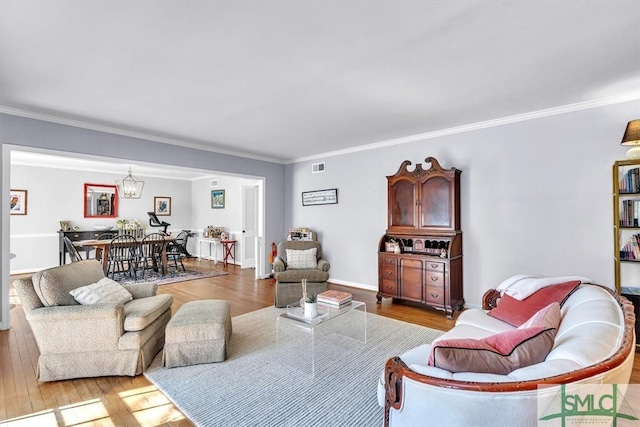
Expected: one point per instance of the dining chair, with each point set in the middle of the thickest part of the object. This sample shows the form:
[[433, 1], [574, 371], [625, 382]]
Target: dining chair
[[150, 253], [123, 256], [73, 251], [177, 251], [104, 236]]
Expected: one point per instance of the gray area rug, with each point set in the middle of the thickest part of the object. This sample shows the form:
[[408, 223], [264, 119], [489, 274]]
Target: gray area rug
[[173, 276], [255, 386]]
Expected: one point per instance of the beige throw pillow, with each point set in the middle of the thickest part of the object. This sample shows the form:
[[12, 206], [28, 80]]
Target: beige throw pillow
[[302, 259], [104, 291]]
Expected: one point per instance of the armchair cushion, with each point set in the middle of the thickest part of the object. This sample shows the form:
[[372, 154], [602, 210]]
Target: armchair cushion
[[141, 289], [296, 276], [54, 284], [140, 313], [104, 290], [302, 259]]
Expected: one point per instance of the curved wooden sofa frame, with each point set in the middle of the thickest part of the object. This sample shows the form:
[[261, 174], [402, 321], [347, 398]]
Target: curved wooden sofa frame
[[396, 369]]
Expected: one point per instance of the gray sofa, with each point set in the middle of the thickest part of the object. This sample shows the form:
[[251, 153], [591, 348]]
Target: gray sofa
[[103, 339], [289, 281]]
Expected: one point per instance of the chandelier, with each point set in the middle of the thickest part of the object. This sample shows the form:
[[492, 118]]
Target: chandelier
[[132, 187]]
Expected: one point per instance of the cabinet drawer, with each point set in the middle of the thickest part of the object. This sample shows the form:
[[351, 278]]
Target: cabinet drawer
[[435, 295], [387, 260], [435, 266], [389, 272], [389, 287], [434, 279]]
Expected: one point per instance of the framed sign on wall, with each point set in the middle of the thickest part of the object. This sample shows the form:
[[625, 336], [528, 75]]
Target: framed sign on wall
[[320, 197]]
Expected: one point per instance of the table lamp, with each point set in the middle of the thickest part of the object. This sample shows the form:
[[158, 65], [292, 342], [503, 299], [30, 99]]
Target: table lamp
[[632, 137]]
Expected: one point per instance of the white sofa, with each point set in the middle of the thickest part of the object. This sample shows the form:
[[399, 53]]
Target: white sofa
[[595, 343]]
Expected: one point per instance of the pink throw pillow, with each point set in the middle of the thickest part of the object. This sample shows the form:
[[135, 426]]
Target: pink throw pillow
[[548, 317], [497, 354], [516, 312]]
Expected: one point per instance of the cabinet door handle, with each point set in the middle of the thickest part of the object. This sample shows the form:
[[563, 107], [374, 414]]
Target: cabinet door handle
[[388, 273], [434, 265], [434, 295], [389, 287], [434, 278]]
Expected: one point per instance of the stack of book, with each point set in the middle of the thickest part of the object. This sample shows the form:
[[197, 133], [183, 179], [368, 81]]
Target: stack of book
[[631, 249], [334, 298]]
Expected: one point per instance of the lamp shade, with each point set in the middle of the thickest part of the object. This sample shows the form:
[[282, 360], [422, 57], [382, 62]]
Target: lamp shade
[[632, 137]]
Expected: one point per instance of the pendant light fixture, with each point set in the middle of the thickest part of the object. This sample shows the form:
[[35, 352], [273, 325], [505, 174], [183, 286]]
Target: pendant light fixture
[[132, 186]]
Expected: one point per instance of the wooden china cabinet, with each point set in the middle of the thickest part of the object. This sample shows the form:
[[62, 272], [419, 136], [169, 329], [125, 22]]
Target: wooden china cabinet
[[420, 255]]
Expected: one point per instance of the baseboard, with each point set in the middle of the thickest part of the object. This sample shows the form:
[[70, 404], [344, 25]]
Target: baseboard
[[353, 284]]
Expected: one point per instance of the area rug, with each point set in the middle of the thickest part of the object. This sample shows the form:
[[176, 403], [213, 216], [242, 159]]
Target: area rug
[[172, 276], [256, 386]]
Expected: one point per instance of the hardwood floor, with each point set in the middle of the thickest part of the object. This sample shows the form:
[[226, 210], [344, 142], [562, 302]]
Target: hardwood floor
[[124, 401]]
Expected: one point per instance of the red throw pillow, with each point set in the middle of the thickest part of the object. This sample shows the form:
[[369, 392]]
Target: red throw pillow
[[497, 354], [516, 312]]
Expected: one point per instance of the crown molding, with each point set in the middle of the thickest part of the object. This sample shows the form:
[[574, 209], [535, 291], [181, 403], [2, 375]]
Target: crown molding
[[122, 132], [366, 147], [570, 108]]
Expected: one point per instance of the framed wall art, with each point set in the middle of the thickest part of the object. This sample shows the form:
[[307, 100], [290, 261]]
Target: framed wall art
[[18, 203], [162, 205], [217, 199], [320, 197]]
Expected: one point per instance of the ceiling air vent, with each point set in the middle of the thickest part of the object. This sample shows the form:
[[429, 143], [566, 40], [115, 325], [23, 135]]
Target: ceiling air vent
[[317, 167], [214, 183]]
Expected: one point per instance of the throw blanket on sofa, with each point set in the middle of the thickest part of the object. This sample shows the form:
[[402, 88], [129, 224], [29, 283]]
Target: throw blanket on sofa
[[523, 285]]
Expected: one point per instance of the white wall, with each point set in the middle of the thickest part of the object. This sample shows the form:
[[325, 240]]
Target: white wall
[[536, 198], [230, 217], [56, 195]]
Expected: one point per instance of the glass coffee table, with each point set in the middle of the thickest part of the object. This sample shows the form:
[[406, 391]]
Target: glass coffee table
[[298, 338]]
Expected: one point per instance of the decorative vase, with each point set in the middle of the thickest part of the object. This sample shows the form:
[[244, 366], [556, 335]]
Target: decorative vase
[[310, 310]]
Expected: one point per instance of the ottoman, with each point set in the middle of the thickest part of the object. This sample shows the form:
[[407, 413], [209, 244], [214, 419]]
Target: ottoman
[[198, 333]]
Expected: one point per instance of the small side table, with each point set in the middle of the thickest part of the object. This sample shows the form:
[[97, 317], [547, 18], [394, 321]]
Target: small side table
[[633, 295], [227, 247], [210, 241]]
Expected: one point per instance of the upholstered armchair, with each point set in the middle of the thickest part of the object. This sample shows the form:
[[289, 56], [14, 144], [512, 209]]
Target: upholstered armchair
[[299, 260], [92, 339]]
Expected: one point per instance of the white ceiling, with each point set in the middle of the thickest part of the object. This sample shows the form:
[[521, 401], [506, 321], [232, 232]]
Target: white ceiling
[[285, 80]]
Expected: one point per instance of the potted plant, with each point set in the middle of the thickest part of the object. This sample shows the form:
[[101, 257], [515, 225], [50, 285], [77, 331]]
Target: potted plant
[[311, 307]]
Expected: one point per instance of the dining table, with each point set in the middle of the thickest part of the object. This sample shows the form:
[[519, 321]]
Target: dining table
[[102, 250]]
